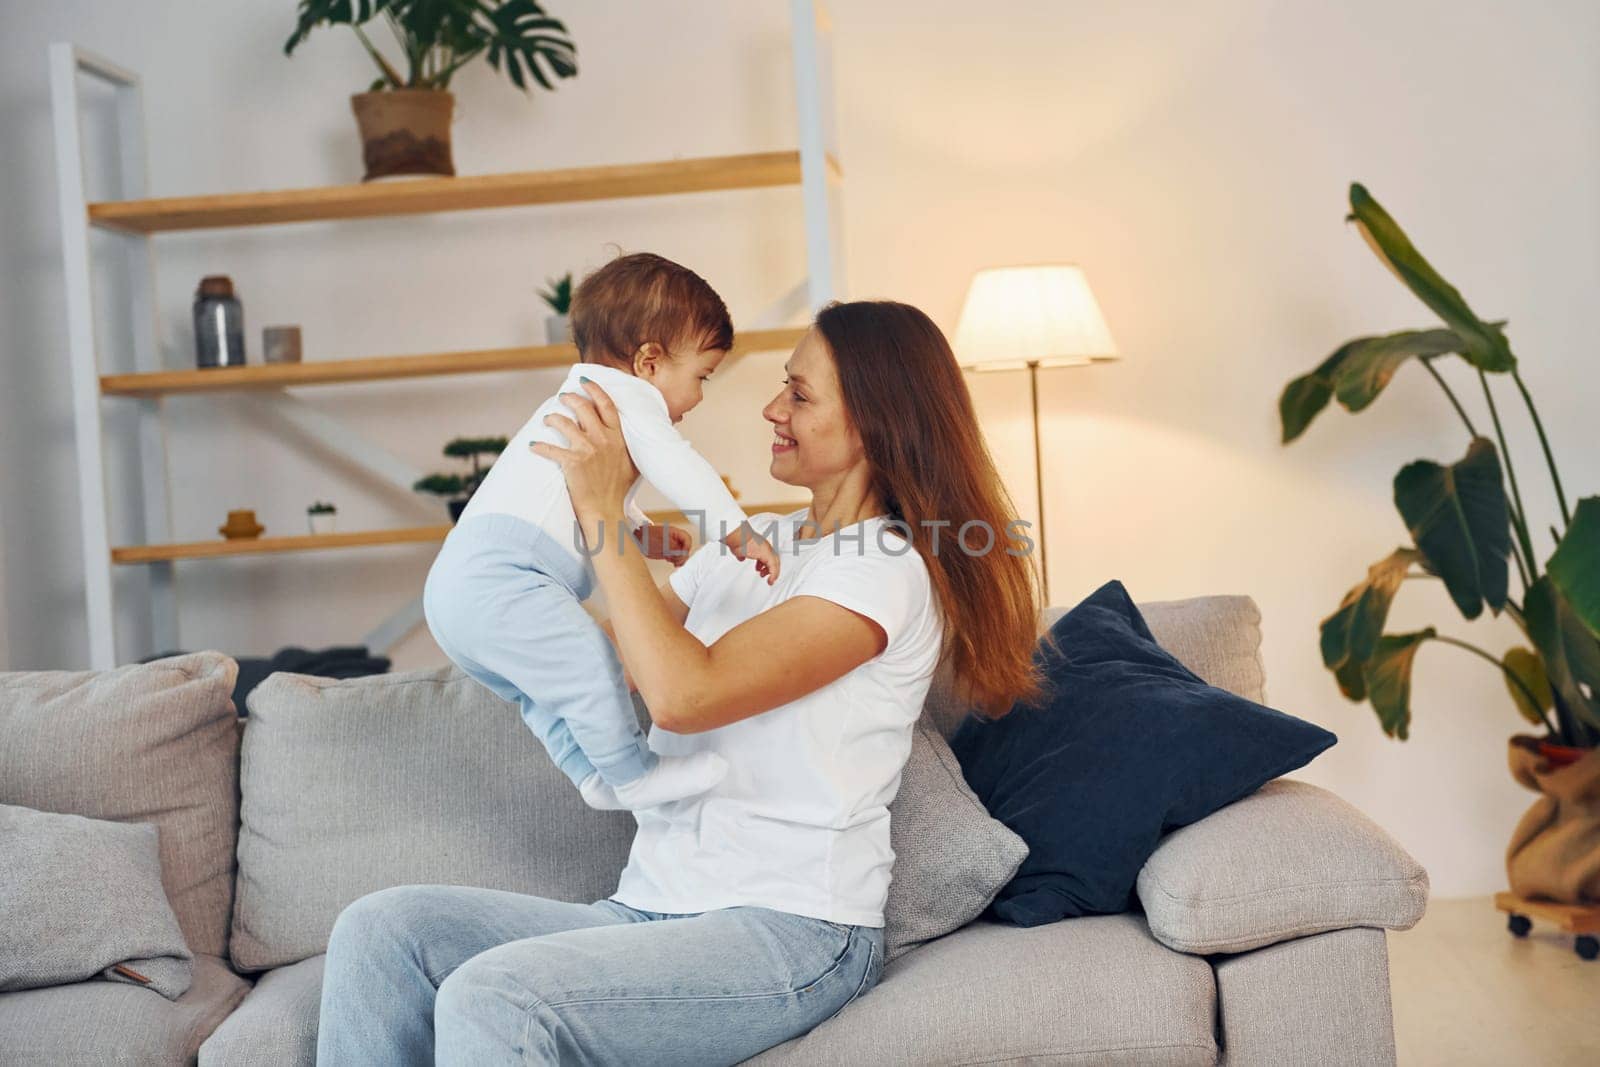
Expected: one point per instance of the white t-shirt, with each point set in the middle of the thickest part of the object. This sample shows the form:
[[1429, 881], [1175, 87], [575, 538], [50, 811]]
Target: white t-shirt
[[525, 484], [801, 822]]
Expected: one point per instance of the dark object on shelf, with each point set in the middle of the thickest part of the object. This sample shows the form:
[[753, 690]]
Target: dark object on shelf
[[457, 507], [339, 661], [218, 324], [1581, 920]]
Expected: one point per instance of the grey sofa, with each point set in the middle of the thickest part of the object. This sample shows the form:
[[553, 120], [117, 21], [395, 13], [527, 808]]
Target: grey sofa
[[1261, 939]]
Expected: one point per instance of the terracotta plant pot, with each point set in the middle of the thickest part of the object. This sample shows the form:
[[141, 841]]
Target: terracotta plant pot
[[1555, 850], [405, 131], [241, 525]]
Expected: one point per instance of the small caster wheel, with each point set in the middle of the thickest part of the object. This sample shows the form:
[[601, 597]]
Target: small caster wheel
[[1519, 925], [1586, 946]]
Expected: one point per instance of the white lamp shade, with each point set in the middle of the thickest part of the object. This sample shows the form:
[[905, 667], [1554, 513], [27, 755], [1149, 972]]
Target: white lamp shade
[[1015, 316]]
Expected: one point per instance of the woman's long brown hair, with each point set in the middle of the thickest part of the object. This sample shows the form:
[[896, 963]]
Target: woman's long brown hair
[[908, 400]]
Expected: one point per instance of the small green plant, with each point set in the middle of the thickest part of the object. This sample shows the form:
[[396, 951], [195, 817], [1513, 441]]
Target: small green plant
[[1464, 522], [439, 37], [321, 508], [461, 486], [558, 293]]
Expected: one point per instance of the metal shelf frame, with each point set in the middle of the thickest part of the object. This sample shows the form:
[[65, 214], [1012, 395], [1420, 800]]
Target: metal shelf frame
[[133, 255]]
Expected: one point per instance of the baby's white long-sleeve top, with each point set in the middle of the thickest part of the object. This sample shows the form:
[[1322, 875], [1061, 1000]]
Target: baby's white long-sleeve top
[[531, 487]]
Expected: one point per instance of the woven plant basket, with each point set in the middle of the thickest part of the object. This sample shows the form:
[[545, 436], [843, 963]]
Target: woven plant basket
[[1555, 850]]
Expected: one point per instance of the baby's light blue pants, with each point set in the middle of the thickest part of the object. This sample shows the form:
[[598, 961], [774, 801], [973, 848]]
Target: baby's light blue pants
[[505, 603]]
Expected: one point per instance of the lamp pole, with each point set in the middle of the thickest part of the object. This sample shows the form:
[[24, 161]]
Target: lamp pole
[[1038, 477]]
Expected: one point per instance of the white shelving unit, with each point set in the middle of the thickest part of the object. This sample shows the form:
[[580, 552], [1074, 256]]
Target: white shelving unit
[[136, 220]]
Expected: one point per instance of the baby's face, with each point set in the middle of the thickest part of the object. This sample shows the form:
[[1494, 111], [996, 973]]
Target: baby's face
[[682, 378]]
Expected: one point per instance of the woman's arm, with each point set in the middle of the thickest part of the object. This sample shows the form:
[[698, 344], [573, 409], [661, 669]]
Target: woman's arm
[[780, 655], [676, 608]]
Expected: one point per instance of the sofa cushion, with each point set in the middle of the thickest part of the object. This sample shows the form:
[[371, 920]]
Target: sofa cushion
[[81, 898], [1288, 861], [120, 1025], [153, 743], [950, 855], [275, 1025], [1095, 990], [351, 786], [1216, 637], [1126, 745]]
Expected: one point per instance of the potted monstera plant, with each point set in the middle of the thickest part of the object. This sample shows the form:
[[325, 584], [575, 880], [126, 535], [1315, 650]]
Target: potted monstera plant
[[404, 115], [1469, 529]]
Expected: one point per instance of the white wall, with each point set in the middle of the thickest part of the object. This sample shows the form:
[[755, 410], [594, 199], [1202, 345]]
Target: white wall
[[1193, 158]]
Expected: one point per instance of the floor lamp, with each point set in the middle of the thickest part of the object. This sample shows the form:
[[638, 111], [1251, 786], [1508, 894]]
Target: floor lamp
[[1038, 316]]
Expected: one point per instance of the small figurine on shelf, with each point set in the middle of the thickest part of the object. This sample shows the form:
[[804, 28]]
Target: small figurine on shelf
[[457, 489], [557, 327], [280, 344], [241, 526], [322, 517]]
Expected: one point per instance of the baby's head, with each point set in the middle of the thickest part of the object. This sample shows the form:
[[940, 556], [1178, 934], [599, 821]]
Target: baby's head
[[656, 320]]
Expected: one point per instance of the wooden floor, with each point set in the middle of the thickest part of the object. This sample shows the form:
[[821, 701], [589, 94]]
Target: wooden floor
[[1467, 992]]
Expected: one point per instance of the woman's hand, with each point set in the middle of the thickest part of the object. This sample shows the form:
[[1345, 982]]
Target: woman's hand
[[596, 463]]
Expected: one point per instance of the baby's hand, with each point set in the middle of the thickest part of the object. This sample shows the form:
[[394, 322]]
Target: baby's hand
[[660, 541], [747, 544]]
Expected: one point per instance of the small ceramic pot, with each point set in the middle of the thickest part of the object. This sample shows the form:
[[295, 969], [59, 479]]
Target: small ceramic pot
[[241, 525], [405, 131], [457, 507], [280, 344], [322, 522], [558, 329]]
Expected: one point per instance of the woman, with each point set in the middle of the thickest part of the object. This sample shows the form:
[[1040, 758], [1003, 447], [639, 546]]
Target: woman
[[749, 914]]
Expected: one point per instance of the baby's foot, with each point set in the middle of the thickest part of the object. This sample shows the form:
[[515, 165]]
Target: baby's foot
[[598, 795], [673, 778]]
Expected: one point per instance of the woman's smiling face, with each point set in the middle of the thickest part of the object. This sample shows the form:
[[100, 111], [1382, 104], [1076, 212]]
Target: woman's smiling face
[[813, 440]]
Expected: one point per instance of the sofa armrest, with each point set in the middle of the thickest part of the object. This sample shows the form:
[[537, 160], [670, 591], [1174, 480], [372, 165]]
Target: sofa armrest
[[1287, 861]]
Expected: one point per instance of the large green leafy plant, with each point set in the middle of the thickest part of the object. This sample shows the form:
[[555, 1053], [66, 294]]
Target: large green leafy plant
[[439, 37], [1467, 530]]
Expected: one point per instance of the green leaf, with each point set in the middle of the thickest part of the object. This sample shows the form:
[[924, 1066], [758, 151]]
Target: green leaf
[[1460, 520], [521, 36], [1484, 345], [1371, 362], [1350, 635], [1528, 667], [1575, 567], [1388, 678], [1305, 397], [1571, 653]]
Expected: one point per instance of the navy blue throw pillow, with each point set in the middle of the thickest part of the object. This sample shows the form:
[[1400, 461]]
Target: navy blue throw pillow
[[1127, 745]]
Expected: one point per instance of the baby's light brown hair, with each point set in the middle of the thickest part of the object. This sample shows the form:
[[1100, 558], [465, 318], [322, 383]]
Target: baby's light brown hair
[[644, 297]]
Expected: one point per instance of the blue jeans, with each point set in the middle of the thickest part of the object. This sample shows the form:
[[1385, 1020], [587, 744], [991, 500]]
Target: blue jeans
[[505, 603], [479, 977]]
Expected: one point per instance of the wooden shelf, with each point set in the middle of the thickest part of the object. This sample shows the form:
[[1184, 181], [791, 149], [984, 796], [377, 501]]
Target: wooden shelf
[[379, 368], [265, 545], [260, 546], [426, 195]]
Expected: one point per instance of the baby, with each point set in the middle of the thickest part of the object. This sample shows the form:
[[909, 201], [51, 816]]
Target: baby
[[504, 598]]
